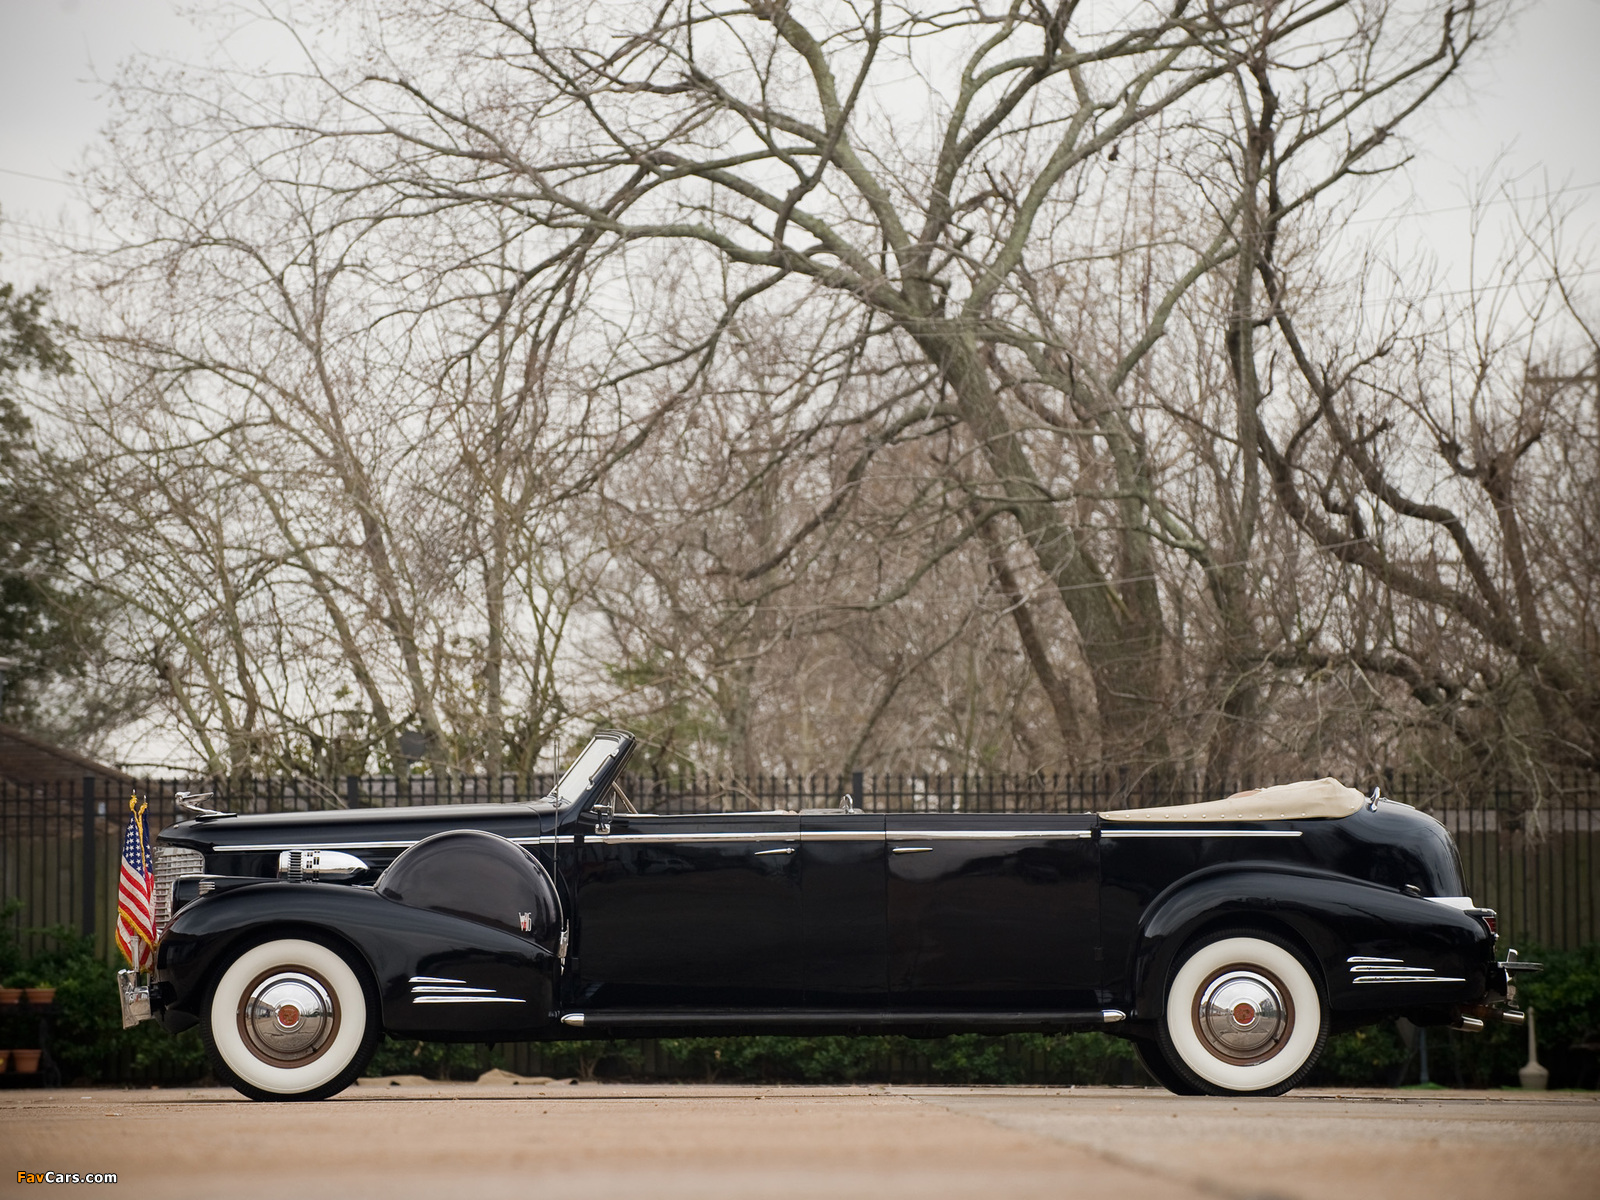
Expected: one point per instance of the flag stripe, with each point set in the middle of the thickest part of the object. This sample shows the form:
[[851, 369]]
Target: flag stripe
[[136, 889]]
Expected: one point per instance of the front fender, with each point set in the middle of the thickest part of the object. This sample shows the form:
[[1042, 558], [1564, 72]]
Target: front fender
[[1423, 954], [512, 978]]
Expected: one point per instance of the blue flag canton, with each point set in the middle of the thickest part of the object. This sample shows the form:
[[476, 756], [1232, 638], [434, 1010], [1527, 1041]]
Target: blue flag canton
[[133, 844]]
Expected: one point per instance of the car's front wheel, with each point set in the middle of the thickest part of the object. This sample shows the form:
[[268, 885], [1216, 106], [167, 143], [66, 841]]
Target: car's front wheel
[[290, 1019], [1244, 1016]]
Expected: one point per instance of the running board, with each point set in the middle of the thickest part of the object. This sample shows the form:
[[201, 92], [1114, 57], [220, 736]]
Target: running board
[[836, 1017]]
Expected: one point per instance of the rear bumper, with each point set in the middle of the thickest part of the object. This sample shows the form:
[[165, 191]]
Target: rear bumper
[[1501, 997]]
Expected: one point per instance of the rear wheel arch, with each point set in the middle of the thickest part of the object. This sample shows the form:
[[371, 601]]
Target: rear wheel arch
[[1163, 940]]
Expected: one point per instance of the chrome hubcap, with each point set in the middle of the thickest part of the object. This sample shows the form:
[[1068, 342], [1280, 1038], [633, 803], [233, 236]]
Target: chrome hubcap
[[288, 1017], [1242, 1015]]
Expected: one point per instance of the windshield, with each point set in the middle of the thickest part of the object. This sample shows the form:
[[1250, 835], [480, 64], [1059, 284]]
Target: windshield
[[590, 763]]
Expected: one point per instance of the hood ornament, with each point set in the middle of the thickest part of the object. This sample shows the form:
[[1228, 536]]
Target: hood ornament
[[190, 803]]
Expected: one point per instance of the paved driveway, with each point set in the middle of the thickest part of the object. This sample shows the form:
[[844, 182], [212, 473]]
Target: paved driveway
[[708, 1142]]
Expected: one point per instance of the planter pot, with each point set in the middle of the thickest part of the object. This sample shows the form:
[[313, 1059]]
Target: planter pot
[[26, 1061], [41, 995], [10, 995]]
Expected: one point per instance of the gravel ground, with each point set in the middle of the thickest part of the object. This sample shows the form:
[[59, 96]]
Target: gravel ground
[[659, 1142]]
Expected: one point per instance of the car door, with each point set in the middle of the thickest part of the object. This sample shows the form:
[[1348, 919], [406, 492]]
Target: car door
[[688, 911], [844, 930], [993, 911]]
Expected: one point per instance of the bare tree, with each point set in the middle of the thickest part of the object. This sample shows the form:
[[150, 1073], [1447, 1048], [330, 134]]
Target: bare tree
[[1452, 462], [819, 385], [931, 170]]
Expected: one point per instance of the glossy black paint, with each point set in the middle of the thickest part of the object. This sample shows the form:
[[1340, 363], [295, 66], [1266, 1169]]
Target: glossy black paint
[[394, 942], [787, 922], [480, 876], [1388, 848], [993, 910], [250, 845], [686, 910], [843, 901], [1331, 916]]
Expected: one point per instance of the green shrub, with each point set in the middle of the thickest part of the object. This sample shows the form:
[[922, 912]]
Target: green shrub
[[88, 1042], [1565, 997]]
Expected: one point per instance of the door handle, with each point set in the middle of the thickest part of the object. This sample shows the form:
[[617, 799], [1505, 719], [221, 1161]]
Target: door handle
[[910, 849], [780, 850]]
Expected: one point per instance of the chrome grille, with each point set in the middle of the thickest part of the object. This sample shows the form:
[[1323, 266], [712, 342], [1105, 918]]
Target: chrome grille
[[171, 862]]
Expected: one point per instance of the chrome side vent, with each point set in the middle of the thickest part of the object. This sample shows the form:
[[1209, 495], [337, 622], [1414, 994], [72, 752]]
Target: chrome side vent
[[170, 863], [299, 866]]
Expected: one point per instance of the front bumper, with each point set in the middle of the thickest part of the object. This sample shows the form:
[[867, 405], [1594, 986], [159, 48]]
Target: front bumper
[[135, 998]]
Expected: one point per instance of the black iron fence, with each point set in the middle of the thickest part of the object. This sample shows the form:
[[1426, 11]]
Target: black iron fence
[[1534, 857]]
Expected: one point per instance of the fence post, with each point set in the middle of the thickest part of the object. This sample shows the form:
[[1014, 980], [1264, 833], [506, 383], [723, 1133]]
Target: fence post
[[88, 856], [352, 791]]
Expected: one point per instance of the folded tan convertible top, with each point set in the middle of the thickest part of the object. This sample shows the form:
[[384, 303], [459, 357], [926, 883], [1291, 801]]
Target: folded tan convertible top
[[1308, 800]]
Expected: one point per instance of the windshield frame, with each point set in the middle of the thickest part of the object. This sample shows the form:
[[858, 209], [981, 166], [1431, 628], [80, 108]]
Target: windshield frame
[[596, 760]]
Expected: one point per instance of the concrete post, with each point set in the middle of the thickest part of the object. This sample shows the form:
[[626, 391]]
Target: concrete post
[[1533, 1076]]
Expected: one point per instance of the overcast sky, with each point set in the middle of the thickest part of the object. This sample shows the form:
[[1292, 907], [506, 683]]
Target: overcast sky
[[1531, 105]]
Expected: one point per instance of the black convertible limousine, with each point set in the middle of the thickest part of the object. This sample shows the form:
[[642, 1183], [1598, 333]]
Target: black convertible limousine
[[1226, 939]]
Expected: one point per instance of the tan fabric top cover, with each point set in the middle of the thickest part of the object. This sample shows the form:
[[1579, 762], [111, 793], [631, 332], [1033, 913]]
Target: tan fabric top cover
[[1308, 800]]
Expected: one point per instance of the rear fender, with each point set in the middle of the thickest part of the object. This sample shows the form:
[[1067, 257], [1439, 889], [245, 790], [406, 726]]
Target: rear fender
[[405, 949], [1337, 921]]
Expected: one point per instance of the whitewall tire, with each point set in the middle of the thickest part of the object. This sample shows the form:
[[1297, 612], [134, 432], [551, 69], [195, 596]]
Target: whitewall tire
[[1244, 1016], [290, 1020]]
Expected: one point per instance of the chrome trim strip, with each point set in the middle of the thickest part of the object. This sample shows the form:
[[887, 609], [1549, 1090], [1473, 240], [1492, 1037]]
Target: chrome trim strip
[[989, 835], [280, 846], [433, 979], [256, 846], [611, 839], [1407, 979], [427, 989], [1362, 958], [839, 835], [1193, 833], [713, 1019], [1376, 969], [466, 1000]]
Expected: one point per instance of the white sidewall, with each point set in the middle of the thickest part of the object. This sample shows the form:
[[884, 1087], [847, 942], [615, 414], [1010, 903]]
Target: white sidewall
[[347, 994], [1184, 993]]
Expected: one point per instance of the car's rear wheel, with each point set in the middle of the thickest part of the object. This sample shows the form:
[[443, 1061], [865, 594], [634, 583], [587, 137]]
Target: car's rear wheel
[[290, 1019], [1245, 1016]]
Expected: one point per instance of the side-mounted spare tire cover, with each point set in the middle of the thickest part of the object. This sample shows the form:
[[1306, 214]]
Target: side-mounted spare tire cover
[[479, 876]]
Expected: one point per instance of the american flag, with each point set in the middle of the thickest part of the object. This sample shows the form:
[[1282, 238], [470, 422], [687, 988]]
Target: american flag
[[136, 920]]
